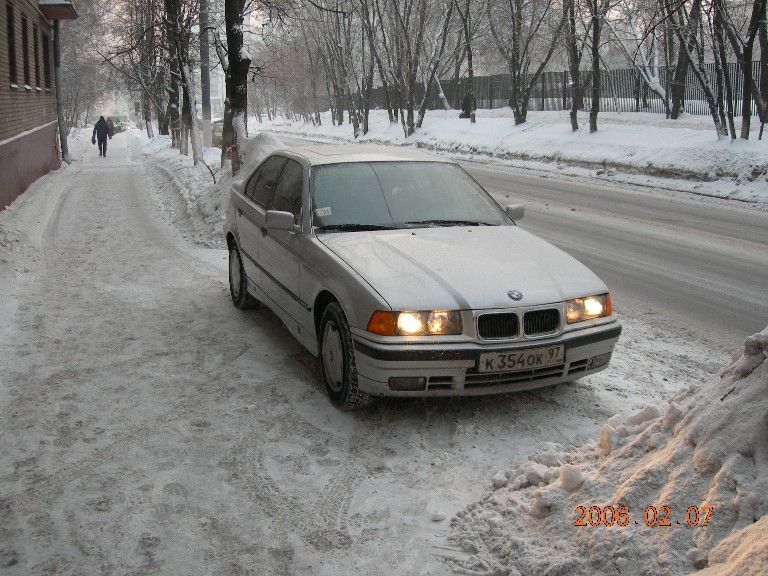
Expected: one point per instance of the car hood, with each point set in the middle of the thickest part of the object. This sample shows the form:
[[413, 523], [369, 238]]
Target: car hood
[[462, 267]]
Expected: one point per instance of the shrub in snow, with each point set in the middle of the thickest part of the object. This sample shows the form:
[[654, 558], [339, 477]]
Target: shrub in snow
[[708, 447]]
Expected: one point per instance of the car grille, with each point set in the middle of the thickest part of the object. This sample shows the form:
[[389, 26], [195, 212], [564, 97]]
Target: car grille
[[475, 379], [541, 321], [497, 326]]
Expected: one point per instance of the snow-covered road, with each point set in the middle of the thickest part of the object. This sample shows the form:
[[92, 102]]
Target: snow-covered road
[[149, 427]]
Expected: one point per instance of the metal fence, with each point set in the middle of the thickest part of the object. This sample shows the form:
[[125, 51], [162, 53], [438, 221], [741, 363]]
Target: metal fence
[[622, 90]]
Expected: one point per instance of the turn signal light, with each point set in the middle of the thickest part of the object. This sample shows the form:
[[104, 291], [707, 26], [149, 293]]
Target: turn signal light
[[382, 323]]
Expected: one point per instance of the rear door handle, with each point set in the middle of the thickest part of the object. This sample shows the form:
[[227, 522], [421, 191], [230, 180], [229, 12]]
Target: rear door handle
[[263, 231], [239, 211]]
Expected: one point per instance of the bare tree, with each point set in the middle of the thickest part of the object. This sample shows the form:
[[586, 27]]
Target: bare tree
[[435, 56], [574, 43], [235, 129], [695, 56], [634, 26], [692, 19], [597, 12], [179, 18], [743, 48], [525, 31]]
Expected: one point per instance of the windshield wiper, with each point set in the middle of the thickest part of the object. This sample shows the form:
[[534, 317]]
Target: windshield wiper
[[354, 227], [449, 223]]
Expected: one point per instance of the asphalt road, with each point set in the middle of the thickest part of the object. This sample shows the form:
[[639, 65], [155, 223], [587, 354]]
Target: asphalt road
[[693, 264]]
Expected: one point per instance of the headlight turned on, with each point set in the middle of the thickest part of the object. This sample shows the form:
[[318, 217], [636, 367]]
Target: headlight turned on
[[419, 323], [588, 308]]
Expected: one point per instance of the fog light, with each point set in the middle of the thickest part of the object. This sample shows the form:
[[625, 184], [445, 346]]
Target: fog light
[[598, 361], [407, 383]]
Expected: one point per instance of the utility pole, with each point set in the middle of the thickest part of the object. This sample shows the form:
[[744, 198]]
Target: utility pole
[[205, 73]]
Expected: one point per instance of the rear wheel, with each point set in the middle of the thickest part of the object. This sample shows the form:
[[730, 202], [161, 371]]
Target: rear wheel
[[337, 361], [238, 282]]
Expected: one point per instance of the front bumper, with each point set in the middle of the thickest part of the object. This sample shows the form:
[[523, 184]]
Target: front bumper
[[451, 369]]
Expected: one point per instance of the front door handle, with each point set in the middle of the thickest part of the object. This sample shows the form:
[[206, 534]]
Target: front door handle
[[263, 231], [239, 211]]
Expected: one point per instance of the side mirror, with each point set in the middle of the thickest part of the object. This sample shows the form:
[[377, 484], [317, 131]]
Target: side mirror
[[515, 211], [277, 220]]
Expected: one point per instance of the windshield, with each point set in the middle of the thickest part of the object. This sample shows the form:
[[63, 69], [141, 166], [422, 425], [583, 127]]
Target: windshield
[[389, 195]]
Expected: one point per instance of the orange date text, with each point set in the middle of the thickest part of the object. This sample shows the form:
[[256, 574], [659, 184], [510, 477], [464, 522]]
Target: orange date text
[[652, 516]]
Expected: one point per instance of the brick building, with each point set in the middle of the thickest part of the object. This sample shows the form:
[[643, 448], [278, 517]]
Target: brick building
[[28, 127]]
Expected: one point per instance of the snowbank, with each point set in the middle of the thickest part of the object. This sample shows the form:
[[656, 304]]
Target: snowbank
[[633, 143], [707, 447], [187, 194]]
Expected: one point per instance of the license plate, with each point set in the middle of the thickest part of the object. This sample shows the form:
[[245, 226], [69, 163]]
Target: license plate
[[519, 360]]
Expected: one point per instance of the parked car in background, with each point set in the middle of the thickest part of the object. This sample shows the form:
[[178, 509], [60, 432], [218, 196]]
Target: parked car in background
[[120, 123], [406, 277]]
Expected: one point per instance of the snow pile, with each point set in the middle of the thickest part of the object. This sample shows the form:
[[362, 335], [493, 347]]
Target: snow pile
[[707, 447], [260, 146], [685, 150], [187, 193]]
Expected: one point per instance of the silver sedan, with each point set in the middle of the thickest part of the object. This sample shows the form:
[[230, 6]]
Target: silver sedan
[[405, 277]]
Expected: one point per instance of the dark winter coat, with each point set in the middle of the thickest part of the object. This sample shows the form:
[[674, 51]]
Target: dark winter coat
[[101, 129]]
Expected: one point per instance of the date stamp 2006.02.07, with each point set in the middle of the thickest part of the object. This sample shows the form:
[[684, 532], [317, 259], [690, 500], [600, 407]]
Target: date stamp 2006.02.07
[[652, 516]]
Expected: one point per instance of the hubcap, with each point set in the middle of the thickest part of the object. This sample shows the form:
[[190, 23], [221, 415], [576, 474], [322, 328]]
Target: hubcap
[[333, 356], [234, 273]]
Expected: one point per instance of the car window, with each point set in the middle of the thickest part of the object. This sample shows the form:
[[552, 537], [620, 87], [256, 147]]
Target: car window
[[260, 186], [399, 195], [287, 196]]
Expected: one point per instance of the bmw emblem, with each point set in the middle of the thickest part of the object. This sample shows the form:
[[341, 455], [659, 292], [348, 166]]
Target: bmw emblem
[[515, 294]]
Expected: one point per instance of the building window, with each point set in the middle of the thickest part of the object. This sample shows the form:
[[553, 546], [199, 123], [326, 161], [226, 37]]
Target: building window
[[46, 61], [25, 50], [11, 43], [36, 55]]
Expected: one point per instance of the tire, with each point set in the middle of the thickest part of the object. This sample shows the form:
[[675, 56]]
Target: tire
[[238, 282], [337, 361]]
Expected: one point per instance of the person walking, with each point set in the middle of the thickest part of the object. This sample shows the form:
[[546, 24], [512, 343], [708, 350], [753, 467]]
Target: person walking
[[100, 134]]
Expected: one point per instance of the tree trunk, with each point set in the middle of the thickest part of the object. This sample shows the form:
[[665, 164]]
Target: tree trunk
[[235, 119], [574, 58], [746, 90], [205, 74], [57, 87], [441, 95], [721, 61], [190, 112], [744, 50], [146, 114], [681, 69], [595, 105], [763, 36]]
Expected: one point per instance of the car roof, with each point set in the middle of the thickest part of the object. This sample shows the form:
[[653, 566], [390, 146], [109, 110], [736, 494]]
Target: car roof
[[319, 154]]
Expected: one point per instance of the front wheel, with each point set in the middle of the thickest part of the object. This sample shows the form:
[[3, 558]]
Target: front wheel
[[238, 282], [337, 361]]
